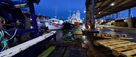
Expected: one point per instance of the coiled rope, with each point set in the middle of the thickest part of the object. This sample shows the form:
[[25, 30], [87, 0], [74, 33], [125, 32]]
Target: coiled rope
[[4, 41]]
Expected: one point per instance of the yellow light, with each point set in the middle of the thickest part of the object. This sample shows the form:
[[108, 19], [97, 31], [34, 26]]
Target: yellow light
[[112, 4]]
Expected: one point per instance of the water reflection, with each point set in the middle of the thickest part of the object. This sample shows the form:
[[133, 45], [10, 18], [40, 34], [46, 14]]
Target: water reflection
[[59, 34]]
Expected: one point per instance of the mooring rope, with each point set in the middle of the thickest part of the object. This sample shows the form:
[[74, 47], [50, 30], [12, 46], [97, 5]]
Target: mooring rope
[[3, 40]]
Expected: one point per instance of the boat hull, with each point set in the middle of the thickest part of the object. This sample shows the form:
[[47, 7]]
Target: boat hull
[[51, 26]]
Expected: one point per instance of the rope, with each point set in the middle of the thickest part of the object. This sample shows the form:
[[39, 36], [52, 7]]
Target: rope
[[3, 40], [1, 21]]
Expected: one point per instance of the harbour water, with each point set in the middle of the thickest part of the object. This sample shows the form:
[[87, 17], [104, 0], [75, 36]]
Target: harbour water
[[59, 33]]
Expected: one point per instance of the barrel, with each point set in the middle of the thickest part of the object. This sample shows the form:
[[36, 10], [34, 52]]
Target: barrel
[[129, 21]]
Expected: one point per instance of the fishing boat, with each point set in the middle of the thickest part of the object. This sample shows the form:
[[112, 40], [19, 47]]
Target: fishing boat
[[75, 19], [54, 24]]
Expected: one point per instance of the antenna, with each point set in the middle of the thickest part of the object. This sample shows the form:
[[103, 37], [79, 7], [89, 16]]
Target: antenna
[[74, 12], [56, 12], [69, 13]]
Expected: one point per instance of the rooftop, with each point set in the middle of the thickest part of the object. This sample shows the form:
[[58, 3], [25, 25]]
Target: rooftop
[[107, 7]]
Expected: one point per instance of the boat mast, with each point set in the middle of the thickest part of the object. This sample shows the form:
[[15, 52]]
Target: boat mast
[[70, 13], [55, 14]]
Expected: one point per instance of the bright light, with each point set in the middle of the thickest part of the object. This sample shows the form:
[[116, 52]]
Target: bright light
[[99, 13], [84, 11], [112, 4]]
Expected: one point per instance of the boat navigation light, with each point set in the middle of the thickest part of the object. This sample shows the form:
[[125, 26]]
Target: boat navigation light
[[112, 4]]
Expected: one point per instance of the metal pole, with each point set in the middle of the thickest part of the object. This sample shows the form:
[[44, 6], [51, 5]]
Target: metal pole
[[112, 16], [35, 26], [93, 5], [116, 15], [85, 18], [129, 12]]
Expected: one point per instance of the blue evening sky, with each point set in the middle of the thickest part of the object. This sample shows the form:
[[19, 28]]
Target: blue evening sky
[[48, 7]]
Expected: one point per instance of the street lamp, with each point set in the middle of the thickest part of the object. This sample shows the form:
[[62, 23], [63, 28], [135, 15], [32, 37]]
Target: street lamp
[[84, 11], [112, 4]]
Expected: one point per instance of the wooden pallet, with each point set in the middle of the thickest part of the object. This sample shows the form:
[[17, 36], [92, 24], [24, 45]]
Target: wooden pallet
[[105, 40], [97, 35], [110, 41], [107, 36], [129, 53], [118, 51], [96, 44], [121, 45], [110, 36], [116, 43], [123, 24], [113, 44]]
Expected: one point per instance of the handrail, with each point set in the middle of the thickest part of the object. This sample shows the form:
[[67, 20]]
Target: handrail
[[17, 49]]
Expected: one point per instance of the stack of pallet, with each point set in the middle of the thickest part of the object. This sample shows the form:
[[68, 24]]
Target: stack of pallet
[[119, 47], [121, 24], [111, 36], [131, 22]]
